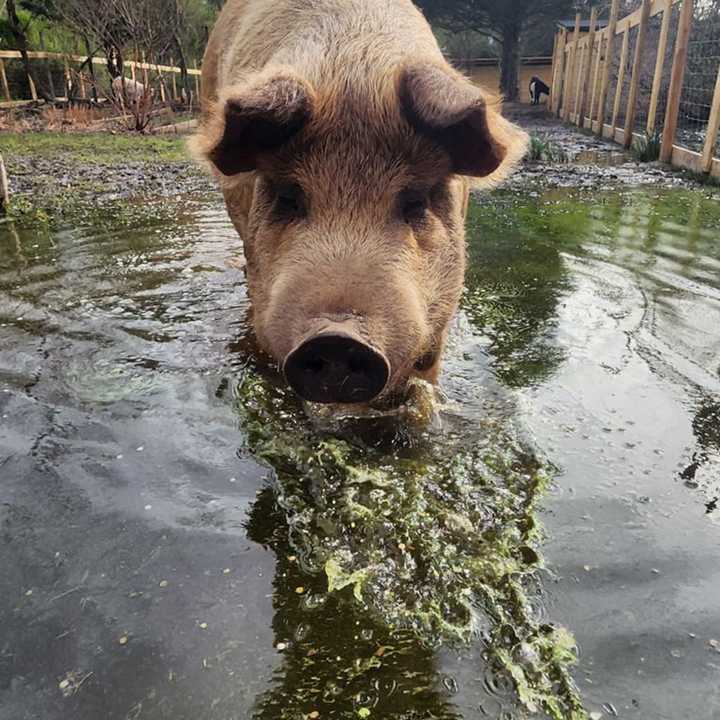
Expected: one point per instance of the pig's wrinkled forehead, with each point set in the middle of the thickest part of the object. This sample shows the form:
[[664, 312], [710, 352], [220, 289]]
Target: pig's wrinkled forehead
[[359, 145]]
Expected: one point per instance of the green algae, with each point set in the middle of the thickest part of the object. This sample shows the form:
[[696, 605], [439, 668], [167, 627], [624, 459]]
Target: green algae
[[438, 540]]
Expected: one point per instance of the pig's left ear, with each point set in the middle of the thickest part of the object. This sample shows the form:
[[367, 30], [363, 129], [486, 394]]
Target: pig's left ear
[[254, 119], [455, 114]]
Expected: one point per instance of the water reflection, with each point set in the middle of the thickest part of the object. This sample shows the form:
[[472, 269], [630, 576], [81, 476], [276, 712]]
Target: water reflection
[[119, 438], [704, 469]]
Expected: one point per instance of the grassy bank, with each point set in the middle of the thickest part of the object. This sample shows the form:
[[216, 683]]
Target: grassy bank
[[53, 175], [96, 148]]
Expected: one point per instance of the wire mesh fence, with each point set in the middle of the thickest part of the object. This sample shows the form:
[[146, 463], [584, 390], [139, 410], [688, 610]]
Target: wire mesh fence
[[663, 78], [700, 74]]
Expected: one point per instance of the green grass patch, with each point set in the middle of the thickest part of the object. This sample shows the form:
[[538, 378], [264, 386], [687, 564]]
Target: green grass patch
[[95, 148]]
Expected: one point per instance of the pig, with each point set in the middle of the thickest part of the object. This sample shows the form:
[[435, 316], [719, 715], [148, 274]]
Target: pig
[[129, 91], [345, 146]]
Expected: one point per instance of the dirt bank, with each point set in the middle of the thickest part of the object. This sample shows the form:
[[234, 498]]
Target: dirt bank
[[53, 172]]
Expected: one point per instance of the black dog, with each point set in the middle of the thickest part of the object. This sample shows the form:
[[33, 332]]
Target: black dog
[[537, 88]]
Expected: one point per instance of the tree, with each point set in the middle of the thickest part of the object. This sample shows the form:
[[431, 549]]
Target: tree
[[505, 21], [18, 32]]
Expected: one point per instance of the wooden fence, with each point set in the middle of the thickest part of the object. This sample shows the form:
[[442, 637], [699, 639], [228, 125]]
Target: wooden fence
[[70, 61], [584, 71]]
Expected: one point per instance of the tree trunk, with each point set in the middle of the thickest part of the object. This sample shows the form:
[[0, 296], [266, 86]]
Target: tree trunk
[[18, 33], [510, 63], [182, 62], [91, 68]]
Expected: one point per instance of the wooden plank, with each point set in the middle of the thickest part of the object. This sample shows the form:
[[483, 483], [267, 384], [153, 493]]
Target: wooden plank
[[174, 82], [620, 80], [633, 19], [34, 55], [711, 133], [609, 50], [677, 75], [3, 77], [162, 84], [635, 78], [66, 75], [659, 66], [559, 80], [585, 91], [683, 158], [571, 64], [554, 67], [4, 188], [579, 76], [596, 82]]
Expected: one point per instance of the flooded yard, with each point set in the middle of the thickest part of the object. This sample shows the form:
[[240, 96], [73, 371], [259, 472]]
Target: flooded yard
[[182, 539]]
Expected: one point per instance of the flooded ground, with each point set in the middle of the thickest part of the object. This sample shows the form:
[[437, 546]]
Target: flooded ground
[[181, 540]]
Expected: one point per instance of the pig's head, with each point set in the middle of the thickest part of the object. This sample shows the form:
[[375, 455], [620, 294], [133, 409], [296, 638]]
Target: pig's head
[[350, 198]]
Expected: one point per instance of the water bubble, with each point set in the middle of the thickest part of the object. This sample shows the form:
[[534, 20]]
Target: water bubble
[[450, 684]]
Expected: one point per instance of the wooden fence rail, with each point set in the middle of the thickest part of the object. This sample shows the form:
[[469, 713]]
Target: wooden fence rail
[[67, 58], [582, 74]]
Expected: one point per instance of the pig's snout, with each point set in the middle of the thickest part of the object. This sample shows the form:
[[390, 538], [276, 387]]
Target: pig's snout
[[336, 366]]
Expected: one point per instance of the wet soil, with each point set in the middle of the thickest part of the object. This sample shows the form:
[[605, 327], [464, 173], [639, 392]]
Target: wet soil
[[61, 172]]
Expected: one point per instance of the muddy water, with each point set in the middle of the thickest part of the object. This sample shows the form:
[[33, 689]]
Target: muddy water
[[181, 539]]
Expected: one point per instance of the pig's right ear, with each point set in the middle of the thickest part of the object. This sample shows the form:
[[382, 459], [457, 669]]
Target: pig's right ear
[[254, 119]]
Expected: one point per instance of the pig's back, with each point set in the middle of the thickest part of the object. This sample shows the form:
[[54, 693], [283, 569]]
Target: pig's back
[[326, 41]]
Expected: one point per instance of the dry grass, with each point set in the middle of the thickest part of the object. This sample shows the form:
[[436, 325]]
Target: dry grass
[[78, 117]]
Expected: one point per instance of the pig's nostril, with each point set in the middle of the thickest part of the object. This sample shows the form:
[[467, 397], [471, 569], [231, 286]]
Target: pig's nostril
[[314, 365], [336, 368]]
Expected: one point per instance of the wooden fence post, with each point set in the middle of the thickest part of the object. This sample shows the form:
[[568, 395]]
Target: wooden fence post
[[174, 81], [677, 76], [68, 80], [3, 77], [659, 65], [609, 50], [578, 81], [635, 79], [33, 89], [556, 40], [4, 189], [596, 80], [197, 83], [711, 133], [571, 65], [560, 75], [620, 81], [584, 94]]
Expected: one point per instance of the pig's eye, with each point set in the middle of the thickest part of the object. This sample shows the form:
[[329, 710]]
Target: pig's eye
[[290, 202], [413, 205]]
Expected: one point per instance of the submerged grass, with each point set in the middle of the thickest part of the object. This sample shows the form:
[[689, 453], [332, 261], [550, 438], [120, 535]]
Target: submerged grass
[[439, 540], [542, 149], [647, 148]]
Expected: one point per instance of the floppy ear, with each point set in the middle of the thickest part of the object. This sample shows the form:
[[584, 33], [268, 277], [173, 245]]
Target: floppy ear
[[454, 113], [252, 119]]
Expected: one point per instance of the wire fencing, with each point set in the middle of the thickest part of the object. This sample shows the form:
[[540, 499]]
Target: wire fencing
[[653, 75]]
